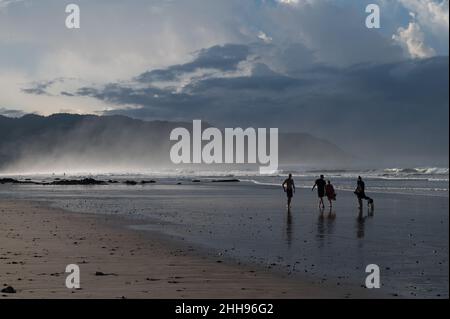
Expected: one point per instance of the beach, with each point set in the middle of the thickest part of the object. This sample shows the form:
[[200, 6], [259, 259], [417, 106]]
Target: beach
[[209, 238], [38, 242]]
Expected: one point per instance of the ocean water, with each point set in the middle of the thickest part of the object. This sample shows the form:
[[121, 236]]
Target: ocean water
[[406, 235], [432, 181]]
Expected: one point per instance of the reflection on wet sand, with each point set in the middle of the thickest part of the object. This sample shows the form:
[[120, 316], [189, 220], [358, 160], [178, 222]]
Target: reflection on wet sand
[[360, 224], [331, 214], [325, 224], [289, 227], [360, 221], [250, 223]]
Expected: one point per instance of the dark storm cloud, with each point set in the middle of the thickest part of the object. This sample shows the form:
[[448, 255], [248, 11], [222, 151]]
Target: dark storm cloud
[[264, 92], [43, 87], [118, 94], [415, 81], [261, 79], [397, 108], [223, 58], [39, 88]]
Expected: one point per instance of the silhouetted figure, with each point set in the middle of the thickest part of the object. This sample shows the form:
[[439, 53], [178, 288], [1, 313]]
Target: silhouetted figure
[[320, 183], [289, 188], [330, 192], [360, 192]]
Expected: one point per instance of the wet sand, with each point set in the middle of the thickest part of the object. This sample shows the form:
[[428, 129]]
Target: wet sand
[[37, 242]]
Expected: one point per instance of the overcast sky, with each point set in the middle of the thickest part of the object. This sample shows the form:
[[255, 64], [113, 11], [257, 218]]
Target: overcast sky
[[295, 64], [119, 40]]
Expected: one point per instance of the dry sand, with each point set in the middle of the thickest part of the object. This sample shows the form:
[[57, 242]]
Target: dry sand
[[37, 242]]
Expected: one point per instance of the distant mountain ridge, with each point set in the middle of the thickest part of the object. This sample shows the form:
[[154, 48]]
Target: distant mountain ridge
[[69, 141]]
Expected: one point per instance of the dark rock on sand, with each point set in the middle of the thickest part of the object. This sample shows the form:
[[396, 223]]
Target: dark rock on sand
[[86, 181], [99, 273], [226, 181], [15, 181], [130, 183], [9, 290], [8, 181], [148, 182], [57, 181]]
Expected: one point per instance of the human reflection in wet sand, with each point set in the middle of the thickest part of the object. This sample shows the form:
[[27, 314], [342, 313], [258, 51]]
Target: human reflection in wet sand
[[321, 225], [360, 224], [370, 211], [325, 228], [289, 227], [331, 214], [360, 221], [330, 221]]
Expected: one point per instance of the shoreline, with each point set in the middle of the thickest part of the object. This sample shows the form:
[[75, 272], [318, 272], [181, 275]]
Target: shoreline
[[142, 182], [39, 241]]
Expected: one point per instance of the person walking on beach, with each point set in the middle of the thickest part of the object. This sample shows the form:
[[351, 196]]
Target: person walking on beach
[[330, 192], [289, 188], [360, 192], [320, 183]]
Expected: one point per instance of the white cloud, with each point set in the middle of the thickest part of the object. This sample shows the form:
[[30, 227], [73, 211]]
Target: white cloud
[[412, 39], [288, 1], [431, 14], [264, 37], [297, 2], [333, 32], [428, 31], [5, 3]]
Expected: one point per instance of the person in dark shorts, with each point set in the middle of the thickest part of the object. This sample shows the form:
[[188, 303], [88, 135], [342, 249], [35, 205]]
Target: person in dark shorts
[[289, 188], [360, 192], [320, 183]]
